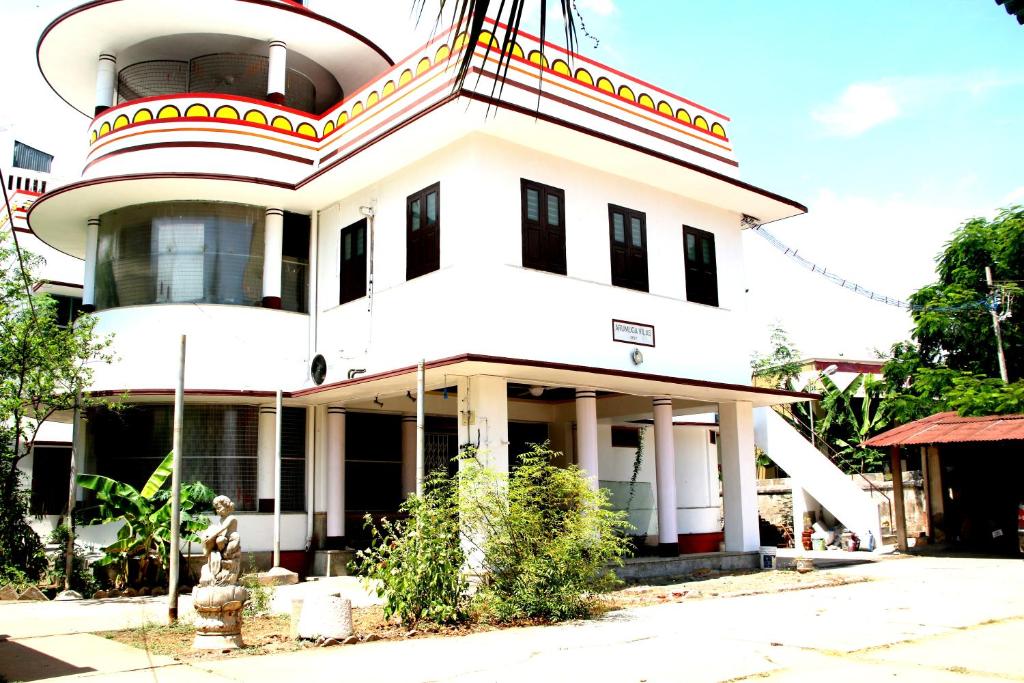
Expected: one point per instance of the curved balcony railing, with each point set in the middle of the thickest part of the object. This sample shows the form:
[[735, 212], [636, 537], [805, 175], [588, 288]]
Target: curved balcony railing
[[580, 92]]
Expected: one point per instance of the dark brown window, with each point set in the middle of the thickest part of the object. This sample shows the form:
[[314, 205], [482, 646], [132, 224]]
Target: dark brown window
[[543, 227], [423, 232], [51, 467], [701, 271], [628, 239], [353, 262]]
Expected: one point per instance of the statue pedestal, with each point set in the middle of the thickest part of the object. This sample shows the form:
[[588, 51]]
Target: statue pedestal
[[218, 617]]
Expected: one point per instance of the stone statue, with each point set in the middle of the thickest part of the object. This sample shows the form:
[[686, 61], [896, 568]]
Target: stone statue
[[222, 547], [218, 599]]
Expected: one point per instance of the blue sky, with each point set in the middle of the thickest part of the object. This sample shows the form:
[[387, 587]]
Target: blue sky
[[893, 121]]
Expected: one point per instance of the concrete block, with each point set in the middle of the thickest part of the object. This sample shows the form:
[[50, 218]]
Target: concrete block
[[32, 593], [8, 593], [278, 576], [327, 617]]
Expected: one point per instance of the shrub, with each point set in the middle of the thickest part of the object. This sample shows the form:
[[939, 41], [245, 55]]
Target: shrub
[[417, 561], [82, 578], [545, 540]]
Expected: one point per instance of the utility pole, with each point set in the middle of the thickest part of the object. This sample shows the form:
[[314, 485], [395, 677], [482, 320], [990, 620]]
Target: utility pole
[[175, 546], [995, 324]]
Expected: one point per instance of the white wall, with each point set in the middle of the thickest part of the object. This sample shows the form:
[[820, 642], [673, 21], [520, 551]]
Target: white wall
[[228, 347], [483, 301]]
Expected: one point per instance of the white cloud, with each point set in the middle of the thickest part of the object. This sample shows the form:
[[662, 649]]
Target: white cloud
[[866, 105], [602, 8]]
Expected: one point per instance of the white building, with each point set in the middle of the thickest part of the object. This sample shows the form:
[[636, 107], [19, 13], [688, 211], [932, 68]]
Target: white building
[[274, 184]]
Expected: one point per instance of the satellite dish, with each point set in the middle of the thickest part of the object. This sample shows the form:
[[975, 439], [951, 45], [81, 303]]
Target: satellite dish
[[318, 369]]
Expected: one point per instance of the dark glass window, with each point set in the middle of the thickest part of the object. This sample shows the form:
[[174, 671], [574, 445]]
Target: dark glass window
[[219, 448], [423, 232], [31, 158], [701, 268], [68, 308], [626, 437], [628, 240], [353, 262], [51, 470], [543, 210], [373, 462], [293, 460], [195, 252]]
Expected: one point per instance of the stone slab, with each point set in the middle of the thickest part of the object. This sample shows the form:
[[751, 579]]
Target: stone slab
[[665, 567]]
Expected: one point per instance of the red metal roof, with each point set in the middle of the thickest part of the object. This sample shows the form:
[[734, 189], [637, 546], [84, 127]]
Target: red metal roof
[[951, 428]]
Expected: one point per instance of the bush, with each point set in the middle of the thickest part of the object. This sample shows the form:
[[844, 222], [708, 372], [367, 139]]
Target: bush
[[417, 561], [545, 540], [22, 560], [82, 578]]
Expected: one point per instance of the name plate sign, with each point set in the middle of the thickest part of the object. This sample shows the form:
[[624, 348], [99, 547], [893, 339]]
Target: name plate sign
[[632, 333]]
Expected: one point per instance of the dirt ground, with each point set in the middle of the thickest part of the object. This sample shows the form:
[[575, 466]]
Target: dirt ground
[[268, 634]]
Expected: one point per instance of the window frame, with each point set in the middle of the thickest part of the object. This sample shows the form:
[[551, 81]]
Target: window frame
[[354, 293], [701, 281], [630, 277], [421, 262], [548, 263]]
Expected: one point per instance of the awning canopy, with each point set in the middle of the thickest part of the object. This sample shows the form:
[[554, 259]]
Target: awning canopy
[[948, 428]]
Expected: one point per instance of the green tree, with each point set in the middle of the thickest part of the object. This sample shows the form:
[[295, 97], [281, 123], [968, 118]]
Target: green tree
[[852, 416], [951, 363], [44, 365], [781, 366]]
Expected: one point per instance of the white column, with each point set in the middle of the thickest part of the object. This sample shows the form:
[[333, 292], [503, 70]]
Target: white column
[[277, 69], [739, 476], [408, 455], [92, 229], [665, 475], [106, 82], [586, 434], [266, 433], [273, 240], [483, 418], [335, 478]]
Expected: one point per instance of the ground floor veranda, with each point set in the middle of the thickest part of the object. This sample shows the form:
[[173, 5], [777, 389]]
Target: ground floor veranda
[[349, 448]]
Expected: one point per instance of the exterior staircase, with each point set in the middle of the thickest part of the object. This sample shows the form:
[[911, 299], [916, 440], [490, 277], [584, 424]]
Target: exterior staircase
[[815, 474]]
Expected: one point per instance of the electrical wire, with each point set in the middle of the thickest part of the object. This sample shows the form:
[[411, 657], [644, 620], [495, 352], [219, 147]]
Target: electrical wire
[[986, 304]]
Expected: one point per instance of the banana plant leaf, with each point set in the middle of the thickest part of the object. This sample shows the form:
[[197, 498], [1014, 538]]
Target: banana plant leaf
[[159, 477]]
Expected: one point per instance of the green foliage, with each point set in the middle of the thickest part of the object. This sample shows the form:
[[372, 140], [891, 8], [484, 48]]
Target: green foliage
[[260, 596], [951, 364], [43, 366], [638, 461], [781, 367], [543, 538], [145, 534], [417, 561], [850, 420], [82, 578]]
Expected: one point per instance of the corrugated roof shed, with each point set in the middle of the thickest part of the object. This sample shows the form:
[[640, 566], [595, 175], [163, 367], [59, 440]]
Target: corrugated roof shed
[[944, 428]]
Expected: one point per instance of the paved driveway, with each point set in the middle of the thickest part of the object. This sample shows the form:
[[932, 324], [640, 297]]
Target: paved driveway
[[927, 619]]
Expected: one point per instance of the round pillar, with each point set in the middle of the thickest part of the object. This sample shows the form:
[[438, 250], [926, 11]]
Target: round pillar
[[335, 478], [266, 433], [106, 83], [665, 473], [273, 242], [277, 69], [586, 434]]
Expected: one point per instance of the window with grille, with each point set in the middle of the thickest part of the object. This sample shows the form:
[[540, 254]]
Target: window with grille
[[628, 240], [543, 209], [51, 469], [353, 262], [31, 158], [423, 232], [701, 268]]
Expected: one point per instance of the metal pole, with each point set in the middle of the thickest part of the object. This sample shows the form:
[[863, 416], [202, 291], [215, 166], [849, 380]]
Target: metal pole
[[73, 476], [420, 433], [999, 333], [810, 416], [277, 481], [174, 550]]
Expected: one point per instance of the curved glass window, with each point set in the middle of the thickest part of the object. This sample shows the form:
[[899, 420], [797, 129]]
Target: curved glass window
[[194, 252], [243, 75]]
